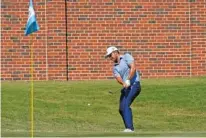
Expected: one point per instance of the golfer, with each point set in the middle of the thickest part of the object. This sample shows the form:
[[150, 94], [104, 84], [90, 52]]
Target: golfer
[[126, 74]]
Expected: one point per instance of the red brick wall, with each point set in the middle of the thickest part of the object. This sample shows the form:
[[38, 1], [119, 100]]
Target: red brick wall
[[166, 38], [198, 37], [15, 47]]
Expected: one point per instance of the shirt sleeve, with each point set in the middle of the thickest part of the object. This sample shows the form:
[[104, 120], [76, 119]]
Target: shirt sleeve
[[115, 72], [128, 58]]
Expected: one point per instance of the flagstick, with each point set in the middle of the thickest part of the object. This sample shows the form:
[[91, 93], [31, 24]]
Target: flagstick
[[32, 89]]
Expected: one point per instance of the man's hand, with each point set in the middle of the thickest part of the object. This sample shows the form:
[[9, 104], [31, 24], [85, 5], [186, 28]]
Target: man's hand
[[126, 84]]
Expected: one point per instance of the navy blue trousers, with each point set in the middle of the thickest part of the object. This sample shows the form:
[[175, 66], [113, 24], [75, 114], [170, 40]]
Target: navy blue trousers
[[127, 97]]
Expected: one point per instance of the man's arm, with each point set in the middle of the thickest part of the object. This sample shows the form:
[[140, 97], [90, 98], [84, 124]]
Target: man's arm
[[130, 62], [132, 70], [120, 81]]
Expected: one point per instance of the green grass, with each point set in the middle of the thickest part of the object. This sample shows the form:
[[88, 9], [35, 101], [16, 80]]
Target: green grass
[[165, 107]]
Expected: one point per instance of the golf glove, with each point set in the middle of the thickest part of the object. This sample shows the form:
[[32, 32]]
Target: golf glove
[[127, 82]]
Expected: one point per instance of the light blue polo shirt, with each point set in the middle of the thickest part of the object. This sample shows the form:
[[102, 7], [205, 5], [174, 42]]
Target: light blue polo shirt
[[122, 68]]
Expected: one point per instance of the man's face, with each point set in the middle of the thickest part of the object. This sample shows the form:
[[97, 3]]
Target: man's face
[[113, 56]]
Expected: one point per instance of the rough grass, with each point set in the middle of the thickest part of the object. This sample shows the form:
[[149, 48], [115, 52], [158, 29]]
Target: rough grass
[[165, 107]]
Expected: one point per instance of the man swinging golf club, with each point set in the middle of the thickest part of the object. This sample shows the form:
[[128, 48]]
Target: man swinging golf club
[[125, 73]]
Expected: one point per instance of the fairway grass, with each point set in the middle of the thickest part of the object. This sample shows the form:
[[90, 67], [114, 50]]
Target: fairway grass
[[165, 107]]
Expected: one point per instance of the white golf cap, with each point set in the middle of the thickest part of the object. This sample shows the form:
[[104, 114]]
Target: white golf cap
[[110, 50]]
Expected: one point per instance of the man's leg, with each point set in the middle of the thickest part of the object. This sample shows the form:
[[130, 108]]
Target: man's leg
[[135, 91], [122, 105], [131, 94]]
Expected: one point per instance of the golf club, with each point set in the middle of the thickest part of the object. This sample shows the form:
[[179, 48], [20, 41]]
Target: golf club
[[111, 92]]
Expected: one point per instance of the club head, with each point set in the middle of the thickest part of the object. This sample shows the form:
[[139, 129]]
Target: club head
[[110, 92]]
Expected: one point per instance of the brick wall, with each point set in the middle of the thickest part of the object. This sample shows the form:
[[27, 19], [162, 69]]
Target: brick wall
[[198, 37], [15, 47], [166, 37]]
